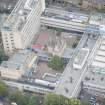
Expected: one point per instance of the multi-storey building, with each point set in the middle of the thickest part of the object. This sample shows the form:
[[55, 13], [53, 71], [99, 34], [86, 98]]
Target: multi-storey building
[[22, 25]]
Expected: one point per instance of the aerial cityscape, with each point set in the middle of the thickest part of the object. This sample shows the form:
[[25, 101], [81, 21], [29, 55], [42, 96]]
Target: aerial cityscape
[[52, 52]]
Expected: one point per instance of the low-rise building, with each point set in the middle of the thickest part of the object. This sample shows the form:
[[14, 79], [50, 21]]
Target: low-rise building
[[17, 64]]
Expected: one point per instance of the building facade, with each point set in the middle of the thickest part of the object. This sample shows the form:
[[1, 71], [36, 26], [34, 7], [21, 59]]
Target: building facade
[[21, 26]]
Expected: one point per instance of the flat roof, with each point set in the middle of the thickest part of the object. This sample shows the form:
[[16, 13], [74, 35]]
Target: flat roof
[[8, 3], [71, 78], [17, 60], [65, 15], [67, 53], [96, 18], [19, 17], [68, 81], [95, 78], [99, 58], [81, 56], [98, 64]]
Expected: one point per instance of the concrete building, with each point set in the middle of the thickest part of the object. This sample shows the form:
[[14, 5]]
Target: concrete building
[[7, 4], [96, 4], [72, 21], [17, 65], [18, 32], [74, 2], [22, 25], [93, 80], [81, 58], [62, 2]]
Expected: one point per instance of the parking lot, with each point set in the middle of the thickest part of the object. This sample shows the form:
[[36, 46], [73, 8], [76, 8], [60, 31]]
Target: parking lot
[[86, 97]]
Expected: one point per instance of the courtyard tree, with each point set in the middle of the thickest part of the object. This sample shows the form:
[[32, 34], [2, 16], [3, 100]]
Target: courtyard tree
[[53, 99], [33, 100], [15, 96], [73, 101], [22, 99], [3, 89], [56, 63], [18, 98]]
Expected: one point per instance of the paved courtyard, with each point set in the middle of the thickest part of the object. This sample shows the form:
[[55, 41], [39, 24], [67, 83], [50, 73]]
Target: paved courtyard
[[43, 68]]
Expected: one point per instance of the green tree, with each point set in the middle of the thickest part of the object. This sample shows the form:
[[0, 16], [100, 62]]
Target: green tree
[[72, 101], [15, 96], [86, 103], [19, 98], [3, 89], [23, 100], [33, 100], [56, 63], [53, 99], [2, 55]]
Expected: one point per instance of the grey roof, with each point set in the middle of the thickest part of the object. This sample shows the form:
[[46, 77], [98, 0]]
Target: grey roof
[[7, 3], [19, 16], [69, 81], [67, 16], [17, 60], [51, 77], [96, 1], [67, 53], [96, 79], [81, 56]]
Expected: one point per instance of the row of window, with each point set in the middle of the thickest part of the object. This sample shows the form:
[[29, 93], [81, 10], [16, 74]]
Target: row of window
[[9, 41]]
